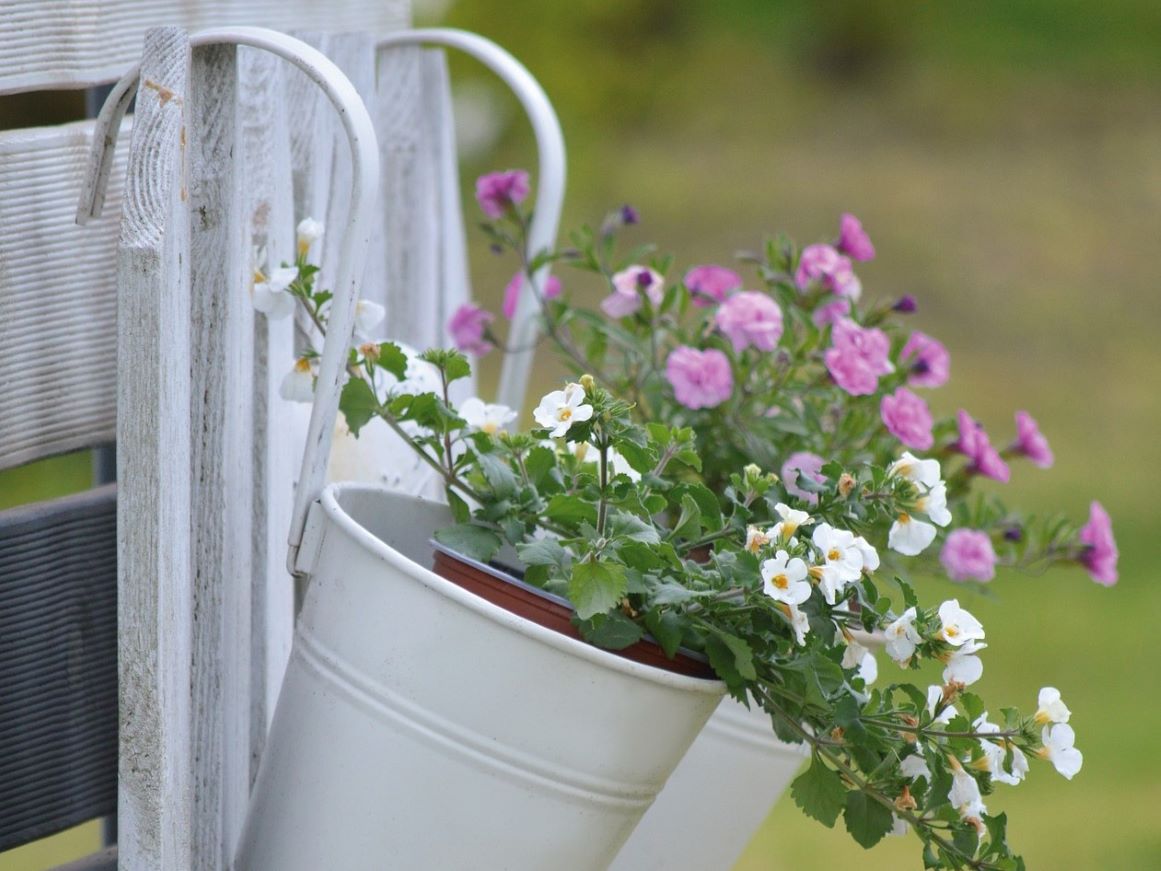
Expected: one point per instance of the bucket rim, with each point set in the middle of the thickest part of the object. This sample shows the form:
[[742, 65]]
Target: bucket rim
[[329, 502]]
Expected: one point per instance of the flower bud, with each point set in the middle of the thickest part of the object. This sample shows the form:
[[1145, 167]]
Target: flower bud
[[909, 737], [905, 304], [846, 484], [905, 801], [586, 381], [953, 689], [752, 471], [370, 351], [837, 733]]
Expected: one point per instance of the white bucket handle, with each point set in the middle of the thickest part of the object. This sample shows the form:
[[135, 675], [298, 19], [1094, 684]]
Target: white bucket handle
[[549, 187], [356, 239]]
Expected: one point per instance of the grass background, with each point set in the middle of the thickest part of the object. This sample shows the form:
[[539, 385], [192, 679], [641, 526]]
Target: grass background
[[1006, 160]]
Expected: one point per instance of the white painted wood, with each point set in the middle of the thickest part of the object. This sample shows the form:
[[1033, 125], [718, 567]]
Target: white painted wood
[[58, 339], [58, 44], [549, 185], [268, 211], [155, 802], [221, 420]]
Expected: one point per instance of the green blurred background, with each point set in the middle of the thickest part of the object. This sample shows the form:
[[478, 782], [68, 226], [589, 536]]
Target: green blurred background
[[1006, 160]]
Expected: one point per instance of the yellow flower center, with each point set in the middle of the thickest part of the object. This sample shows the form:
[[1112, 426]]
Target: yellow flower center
[[490, 428], [565, 414], [781, 582], [951, 632], [904, 518], [833, 554], [302, 365]]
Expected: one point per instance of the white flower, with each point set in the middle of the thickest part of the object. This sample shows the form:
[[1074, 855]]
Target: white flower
[[271, 296], [915, 766], [923, 472], [298, 384], [792, 518], [784, 579], [933, 503], [798, 620], [909, 536], [857, 656], [368, 315], [899, 826], [756, 539], [618, 465], [1052, 708], [309, 231], [934, 697], [958, 625], [965, 796], [1058, 740], [842, 560], [963, 666], [869, 554], [486, 416], [995, 754], [560, 409], [902, 636]]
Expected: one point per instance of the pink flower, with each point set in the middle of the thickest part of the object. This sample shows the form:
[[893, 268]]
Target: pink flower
[[927, 359], [496, 192], [700, 379], [907, 418], [1031, 442], [823, 263], [968, 555], [858, 357], [831, 312], [977, 447], [711, 284], [628, 285], [512, 292], [750, 318], [853, 240], [806, 464], [1099, 555], [468, 326]]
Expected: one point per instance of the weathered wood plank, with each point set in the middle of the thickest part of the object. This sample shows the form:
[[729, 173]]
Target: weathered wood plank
[[58, 350], [50, 44], [221, 420], [58, 665], [155, 804], [268, 211]]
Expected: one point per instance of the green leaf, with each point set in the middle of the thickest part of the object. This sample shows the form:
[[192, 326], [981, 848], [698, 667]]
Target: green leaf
[[545, 552], [460, 509], [358, 404], [498, 473], [457, 366], [689, 521], [665, 627], [866, 819], [613, 631], [392, 358], [966, 840], [709, 510], [819, 792], [470, 540], [910, 600], [624, 525], [743, 656], [570, 509], [538, 463], [596, 587]]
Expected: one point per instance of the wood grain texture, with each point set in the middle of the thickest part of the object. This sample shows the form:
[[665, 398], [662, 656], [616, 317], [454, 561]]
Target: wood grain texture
[[155, 803], [56, 44], [268, 211], [221, 420], [58, 349]]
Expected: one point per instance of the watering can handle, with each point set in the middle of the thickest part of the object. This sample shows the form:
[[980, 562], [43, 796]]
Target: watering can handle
[[549, 187], [356, 237]]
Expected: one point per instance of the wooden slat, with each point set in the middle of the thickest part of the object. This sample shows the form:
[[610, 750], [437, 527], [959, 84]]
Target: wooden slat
[[153, 464], [57, 297], [57, 44], [58, 665]]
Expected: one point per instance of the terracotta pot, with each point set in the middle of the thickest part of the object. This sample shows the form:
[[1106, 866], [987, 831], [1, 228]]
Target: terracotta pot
[[500, 586], [422, 726]]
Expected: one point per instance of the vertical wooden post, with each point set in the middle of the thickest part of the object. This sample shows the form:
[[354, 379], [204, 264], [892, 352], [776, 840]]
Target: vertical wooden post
[[154, 601]]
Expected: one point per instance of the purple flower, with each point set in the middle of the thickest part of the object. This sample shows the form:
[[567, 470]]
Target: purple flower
[[832, 312], [512, 292], [629, 216], [926, 359], [968, 555], [858, 357], [977, 447], [823, 263], [1099, 555], [853, 240], [468, 327], [905, 304], [700, 379], [1031, 442], [628, 285], [496, 192], [907, 418], [806, 464], [750, 318], [709, 284]]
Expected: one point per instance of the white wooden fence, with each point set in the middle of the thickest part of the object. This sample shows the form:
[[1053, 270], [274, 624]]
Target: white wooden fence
[[139, 326]]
